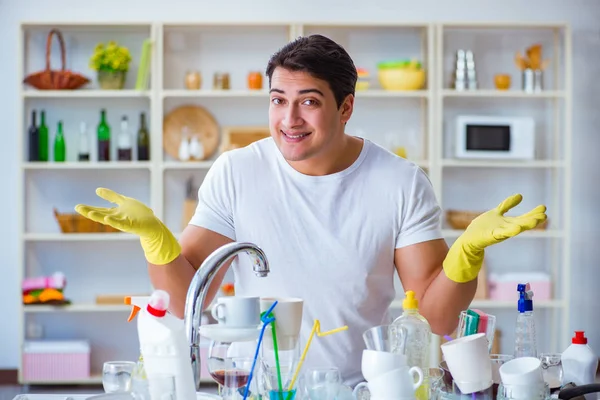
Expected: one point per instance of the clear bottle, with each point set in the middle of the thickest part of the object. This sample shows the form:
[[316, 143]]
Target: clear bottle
[[525, 336], [84, 145], [124, 145], [418, 337]]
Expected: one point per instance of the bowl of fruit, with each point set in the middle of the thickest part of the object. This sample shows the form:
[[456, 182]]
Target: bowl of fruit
[[401, 75]]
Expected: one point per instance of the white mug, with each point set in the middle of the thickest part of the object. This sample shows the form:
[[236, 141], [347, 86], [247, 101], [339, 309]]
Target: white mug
[[395, 384], [237, 311]]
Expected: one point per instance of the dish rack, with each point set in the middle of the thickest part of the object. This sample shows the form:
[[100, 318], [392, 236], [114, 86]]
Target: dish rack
[[76, 223], [458, 219]]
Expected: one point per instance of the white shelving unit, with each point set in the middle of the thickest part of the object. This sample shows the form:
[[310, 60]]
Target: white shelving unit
[[113, 263]]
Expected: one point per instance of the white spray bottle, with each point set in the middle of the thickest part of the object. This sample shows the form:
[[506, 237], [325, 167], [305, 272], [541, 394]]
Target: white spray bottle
[[163, 342]]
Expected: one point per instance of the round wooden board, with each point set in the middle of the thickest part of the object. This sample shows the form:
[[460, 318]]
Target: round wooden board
[[198, 121]]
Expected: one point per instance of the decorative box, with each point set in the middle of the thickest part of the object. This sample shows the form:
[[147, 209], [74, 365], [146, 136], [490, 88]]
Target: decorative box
[[56, 360]]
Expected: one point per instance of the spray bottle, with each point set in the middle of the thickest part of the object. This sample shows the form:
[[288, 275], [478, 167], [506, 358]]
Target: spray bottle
[[525, 336], [137, 303], [163, 342]]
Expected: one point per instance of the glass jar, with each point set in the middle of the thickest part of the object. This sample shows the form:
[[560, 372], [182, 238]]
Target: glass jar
[[193, 80], [255, 81], [221, 81]]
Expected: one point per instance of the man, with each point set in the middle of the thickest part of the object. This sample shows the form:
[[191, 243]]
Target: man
[[335, 215]]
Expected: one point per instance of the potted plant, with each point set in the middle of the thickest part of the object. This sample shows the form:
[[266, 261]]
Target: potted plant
[[111, 61]]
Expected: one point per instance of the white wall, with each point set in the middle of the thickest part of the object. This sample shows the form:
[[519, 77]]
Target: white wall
[[582, 14]]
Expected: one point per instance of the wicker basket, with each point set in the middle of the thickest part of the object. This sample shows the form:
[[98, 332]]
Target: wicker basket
[[62, 79], [76, 223], [461, 219]]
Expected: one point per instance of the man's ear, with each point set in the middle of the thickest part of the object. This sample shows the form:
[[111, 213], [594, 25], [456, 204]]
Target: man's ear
[[347, 108]]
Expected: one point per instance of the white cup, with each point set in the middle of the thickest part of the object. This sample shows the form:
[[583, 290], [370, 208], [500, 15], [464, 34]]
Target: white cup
[[395, 384], [288, 321], [468, 361], [375, 363], [237, 311], [522, 371]]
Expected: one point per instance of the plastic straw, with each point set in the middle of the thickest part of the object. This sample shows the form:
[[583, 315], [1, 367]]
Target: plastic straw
[[276, 351], [448, 338], [266, 320], [316, 329]]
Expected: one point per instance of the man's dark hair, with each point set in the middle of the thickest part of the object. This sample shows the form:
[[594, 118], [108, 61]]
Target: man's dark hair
[[322, 58]]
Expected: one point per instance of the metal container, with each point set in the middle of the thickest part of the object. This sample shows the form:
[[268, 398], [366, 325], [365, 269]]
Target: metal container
[[533, 80]]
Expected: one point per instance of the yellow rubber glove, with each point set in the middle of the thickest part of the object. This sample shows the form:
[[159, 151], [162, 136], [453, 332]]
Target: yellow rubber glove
[[132, 216], [465, 257]]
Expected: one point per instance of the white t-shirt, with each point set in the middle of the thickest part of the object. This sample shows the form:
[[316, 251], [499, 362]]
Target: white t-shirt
[[330, 240]]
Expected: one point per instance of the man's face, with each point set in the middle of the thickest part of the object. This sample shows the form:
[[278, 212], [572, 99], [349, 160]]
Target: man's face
[[304, 119]]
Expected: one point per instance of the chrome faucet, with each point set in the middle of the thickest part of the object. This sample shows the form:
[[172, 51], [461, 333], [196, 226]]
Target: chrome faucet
[[194, 302]]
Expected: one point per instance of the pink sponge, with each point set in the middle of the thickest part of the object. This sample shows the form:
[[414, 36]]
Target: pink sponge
[[483, 321]]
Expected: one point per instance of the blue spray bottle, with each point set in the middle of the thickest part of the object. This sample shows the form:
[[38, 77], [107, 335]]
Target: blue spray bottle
[[525, 337]]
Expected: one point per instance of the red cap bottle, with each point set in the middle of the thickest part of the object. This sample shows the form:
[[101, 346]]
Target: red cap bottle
[[579, 338]]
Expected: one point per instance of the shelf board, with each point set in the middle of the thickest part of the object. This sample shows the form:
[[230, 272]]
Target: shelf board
[[213, 93], [513, 94], [78, 237], [75, 165], [185, 165], [371, 93], [85, 93], [91, 307], [392, 93], [397, 304], [502, 163], [531, 234]]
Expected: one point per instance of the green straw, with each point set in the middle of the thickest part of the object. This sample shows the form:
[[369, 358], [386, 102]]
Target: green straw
[[276, 351]]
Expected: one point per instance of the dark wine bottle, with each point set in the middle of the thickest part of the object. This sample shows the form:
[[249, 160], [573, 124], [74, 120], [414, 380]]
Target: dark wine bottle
[[143, 140], [34, 139]]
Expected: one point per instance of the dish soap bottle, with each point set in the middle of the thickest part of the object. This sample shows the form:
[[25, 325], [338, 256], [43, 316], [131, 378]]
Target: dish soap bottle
[[418, 337], [579, 363], [525, 336], [164, 345]]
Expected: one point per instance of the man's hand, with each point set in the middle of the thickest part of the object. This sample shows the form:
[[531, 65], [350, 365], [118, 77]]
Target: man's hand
[[132, 216], [465, 257]]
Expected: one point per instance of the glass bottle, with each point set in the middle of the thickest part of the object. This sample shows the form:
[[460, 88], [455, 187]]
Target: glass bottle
[[418, 337], [124, 148], [60, 148], [84, 145], [43, 138], [103, 138], [34, 139], [143, 140]]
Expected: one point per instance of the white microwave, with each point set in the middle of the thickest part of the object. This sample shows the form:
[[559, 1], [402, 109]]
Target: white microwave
[[495, 137]]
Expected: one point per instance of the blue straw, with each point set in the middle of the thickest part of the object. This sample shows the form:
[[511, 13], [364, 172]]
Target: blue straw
[[266, 321]]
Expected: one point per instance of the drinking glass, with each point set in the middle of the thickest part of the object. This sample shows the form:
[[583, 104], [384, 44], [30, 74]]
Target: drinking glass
[[158, 386], [275, 384], [237, 372], [468, 325], [322, 383], [552, 369], [116, 376]]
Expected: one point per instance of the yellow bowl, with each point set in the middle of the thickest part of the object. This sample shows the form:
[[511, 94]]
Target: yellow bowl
[[401, 78]]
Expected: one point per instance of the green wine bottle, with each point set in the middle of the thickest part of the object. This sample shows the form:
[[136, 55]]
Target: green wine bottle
[[103, 138], [60, 148], [43, 138], [143, 140]]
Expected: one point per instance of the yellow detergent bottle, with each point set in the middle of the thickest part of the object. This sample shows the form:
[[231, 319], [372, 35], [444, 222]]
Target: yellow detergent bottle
[[418, 337]]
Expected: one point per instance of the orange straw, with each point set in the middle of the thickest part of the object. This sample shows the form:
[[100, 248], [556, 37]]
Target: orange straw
[[316, 329]]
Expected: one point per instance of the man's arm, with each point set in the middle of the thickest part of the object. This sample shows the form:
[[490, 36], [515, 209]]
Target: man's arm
[[441, 300], [196, 245]]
